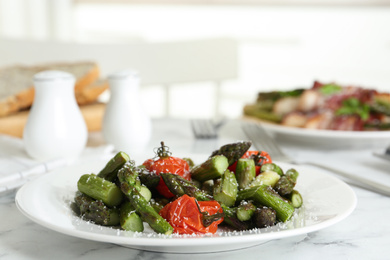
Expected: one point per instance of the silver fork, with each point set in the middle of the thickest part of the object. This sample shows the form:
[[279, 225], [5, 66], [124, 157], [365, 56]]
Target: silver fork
[[206, 128], [262, 141], [203, 128]]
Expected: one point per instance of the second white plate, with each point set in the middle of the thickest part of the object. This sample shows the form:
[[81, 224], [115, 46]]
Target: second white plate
[[329, 138]]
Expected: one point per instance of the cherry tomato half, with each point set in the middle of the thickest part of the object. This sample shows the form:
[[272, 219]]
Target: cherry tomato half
[[167, 164], [184, 216]]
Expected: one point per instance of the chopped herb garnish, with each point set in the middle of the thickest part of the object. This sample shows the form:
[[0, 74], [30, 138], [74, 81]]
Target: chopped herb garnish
[[330, 89], [353, 106]]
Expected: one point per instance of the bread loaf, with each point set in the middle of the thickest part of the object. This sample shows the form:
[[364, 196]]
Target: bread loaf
[[17, 91], [13, 125], [90, 93]]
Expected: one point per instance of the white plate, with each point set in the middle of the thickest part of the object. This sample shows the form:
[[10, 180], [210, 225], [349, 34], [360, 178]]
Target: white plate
[[46, 201], [329, 138]]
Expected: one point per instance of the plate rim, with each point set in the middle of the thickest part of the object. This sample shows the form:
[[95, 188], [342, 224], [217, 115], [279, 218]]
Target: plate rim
[[339, 134]]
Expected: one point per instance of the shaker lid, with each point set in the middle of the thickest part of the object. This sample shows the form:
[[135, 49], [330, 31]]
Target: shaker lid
[[122, 74], [50, 75]]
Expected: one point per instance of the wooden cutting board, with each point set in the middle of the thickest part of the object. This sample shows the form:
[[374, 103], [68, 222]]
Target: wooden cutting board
[[14, 124]]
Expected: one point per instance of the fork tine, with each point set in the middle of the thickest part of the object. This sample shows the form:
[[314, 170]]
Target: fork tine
[[203, 128], [210, 128], [262, 141], [194, 127]]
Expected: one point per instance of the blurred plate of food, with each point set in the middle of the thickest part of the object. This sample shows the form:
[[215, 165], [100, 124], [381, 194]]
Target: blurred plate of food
[[328, 114]]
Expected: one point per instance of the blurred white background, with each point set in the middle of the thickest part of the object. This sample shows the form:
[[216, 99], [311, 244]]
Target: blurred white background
[[282, 44]]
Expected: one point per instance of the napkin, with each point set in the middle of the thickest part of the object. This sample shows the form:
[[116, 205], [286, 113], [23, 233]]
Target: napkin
[[17, 167]]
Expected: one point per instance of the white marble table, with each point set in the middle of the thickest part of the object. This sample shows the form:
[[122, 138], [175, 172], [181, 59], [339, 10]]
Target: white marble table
[[365, 234]]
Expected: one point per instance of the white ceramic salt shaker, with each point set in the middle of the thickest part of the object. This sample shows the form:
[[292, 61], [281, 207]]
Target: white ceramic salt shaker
[[55, 127], [125, 123]]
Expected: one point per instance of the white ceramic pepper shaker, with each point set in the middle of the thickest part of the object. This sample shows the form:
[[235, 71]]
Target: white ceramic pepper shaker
[[55, 127], [125, 123]]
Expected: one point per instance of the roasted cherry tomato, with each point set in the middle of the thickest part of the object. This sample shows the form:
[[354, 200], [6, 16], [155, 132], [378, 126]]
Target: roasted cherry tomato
[[260, 157], [188, 216], [165, 163]]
